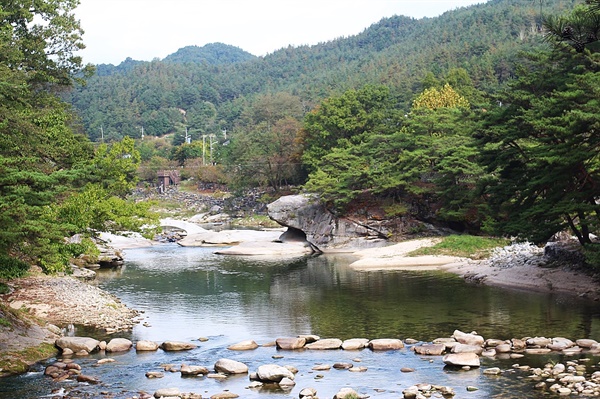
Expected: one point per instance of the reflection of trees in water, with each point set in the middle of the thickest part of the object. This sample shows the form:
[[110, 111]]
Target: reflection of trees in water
[[323, 295]]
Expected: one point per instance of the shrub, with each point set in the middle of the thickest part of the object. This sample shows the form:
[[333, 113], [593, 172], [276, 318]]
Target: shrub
[[11, 268]]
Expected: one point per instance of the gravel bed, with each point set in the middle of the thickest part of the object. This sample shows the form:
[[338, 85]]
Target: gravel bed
[[66, 300]]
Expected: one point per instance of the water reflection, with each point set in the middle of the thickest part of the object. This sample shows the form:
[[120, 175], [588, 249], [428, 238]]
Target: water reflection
[[207, 293]]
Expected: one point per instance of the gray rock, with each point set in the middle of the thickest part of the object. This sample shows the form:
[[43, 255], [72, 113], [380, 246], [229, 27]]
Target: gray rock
[[243, 346], [462, 359], [430, 349], [119, 345], [586, 343], [177, 346], [322, 228], [193, 370], [165, 392], [229, 366], [386, 344], [542, 342], [464, 348], [347, 393], [325, 344], [273, 373], [355, 344], [468, 339], [78, 344], [146, 346], [290, 343], [307, 392]]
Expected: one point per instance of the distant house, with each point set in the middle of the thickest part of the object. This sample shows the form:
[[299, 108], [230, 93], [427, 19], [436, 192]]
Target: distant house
[[167, 178]]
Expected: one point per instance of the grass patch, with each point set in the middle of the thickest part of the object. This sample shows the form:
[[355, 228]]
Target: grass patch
[[464, 246], [256, 221], [4, 289], [19, 362]]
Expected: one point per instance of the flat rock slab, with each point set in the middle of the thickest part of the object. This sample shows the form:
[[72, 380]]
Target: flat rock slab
[[462, 359], [268, 248], [386, 344], [177, 346], [325, 344]]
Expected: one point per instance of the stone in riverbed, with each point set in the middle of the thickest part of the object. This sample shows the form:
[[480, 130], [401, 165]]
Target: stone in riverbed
[[273, 373], [167, 392], [468, 339], [347, 393], [503, 348], [560, 343], [177, 346], [342, 366], [308, 393], [586, 343], [155, 374], [243, 346], [462, 359], [119, 345], [290, 343], [77, 344], [430, 349], [464, 348], [355, 344], [325, 344], [141, 346], [88, 379], [229, 366], [386, 344], [193, 370], [225, 395], [541, 342]]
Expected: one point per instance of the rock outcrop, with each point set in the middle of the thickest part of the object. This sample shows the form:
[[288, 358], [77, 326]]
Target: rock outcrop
[[305, 214]]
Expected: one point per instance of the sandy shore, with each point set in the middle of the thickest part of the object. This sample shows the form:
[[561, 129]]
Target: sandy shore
[[525, 277]]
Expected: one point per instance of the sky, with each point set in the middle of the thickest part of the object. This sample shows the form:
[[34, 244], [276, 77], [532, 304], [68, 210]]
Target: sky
[[148, 29]]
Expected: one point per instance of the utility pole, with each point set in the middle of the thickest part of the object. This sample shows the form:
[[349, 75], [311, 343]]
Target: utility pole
[[211, 137], [203, 149]]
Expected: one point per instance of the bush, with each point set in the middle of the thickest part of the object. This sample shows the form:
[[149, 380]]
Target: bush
[[11, 268]]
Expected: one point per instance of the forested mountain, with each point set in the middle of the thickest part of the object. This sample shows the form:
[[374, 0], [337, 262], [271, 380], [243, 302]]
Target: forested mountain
[[198, 89], [211, 54]]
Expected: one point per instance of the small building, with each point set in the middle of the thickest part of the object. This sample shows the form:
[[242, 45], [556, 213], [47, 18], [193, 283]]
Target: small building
[[167, 178]]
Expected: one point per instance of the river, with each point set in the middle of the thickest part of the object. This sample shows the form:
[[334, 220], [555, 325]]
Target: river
[[191, 293]]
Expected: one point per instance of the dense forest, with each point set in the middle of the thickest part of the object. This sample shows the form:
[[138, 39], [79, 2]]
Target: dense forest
[[484, 119]]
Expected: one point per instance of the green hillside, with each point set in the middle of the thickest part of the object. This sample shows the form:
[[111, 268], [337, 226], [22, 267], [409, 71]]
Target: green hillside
[[207, 88]]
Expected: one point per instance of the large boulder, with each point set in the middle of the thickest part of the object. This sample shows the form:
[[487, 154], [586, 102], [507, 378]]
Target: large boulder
[[304, 213], [77, 344], [119, 345]]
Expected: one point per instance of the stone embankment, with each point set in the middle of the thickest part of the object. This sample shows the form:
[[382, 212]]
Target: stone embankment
[[460, 351]]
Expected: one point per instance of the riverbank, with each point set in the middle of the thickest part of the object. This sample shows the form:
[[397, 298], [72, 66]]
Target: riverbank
[[40, 308], [523, 267]]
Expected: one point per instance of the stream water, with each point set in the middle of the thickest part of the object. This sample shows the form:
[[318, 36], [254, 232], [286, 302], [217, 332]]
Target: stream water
[[189, 293]]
